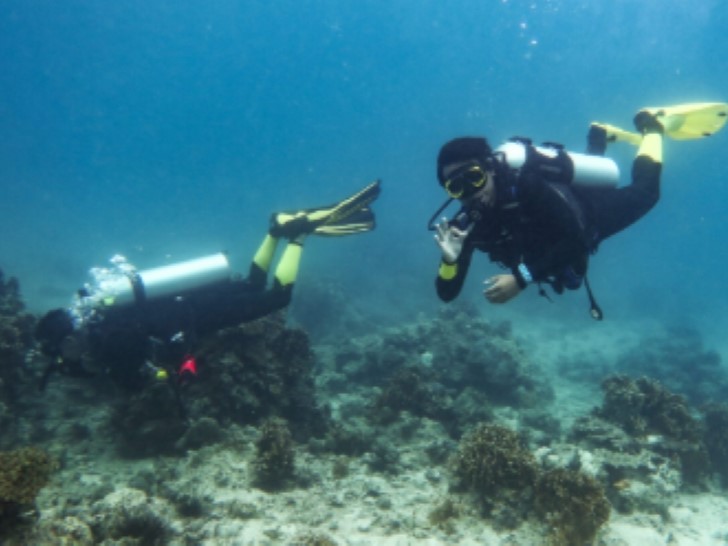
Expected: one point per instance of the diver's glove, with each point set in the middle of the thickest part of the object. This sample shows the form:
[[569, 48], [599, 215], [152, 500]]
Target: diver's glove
[[450, 239], [645, 122]]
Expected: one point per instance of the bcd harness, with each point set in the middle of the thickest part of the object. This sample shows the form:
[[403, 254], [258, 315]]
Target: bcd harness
[[556, 171]]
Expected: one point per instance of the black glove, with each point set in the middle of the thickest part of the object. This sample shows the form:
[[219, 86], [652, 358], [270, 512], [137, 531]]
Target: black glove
[[648, 123]]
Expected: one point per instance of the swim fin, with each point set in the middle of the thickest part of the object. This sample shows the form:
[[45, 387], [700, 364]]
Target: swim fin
[[691, 121], [358, 222], [351, 215], [682, 122]]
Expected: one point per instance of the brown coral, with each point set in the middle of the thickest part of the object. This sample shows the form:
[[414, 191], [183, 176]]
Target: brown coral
[[23, 472], [491, 458], [274, 455], [257, 370], [573, 504]]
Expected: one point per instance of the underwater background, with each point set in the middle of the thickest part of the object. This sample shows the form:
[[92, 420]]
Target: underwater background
[[169, 130], [371, 413]]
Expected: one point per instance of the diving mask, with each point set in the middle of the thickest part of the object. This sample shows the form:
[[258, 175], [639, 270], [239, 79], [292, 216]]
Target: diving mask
[[465, 181]]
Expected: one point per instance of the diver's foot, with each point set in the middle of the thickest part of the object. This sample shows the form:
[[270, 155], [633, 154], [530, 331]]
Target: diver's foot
[[290, 225], [349, 216]]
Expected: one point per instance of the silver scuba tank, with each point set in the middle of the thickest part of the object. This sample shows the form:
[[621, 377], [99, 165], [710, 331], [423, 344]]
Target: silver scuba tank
[[586, 170], [124, 287]]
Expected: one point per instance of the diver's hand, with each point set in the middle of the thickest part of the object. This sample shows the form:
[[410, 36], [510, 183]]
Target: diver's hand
[[501, 288], [450, 240]]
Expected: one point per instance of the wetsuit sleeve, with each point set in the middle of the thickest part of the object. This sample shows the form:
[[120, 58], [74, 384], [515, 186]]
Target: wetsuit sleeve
[[450, 277]]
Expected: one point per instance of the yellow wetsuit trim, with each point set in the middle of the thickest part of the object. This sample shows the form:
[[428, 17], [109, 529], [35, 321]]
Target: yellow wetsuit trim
[[264, 256], [287, 269], [651, 147], [448, 271]]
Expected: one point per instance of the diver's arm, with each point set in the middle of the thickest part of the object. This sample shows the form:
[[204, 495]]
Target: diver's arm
[[451, 276]]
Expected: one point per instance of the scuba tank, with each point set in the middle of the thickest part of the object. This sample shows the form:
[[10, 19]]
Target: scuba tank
[[557, 165], [124, 285]]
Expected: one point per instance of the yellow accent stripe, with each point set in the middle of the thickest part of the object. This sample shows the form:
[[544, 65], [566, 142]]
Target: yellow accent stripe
[[287, 269], [345, 229], [264, 256], [651, 147], [285, 217], [448, 271], [345, 208]]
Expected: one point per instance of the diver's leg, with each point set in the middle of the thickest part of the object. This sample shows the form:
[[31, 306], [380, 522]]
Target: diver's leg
[[287, 269], [261, 262], [262, 302], [614, 210]]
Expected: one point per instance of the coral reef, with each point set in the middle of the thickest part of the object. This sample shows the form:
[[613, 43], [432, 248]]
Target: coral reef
[[313, 539], [409, 390], [258, 370], [382, 456], [246, 374], [716, 438], [350, 438], [274, 455], [69, 531], [641, 481], [130, 515], [506, 478], [646, 410], [573, 505], [23, 472], [643, 406], [595, 432], [148, 423], [444, 513], [454, 369], [677, 358], [492, 463], [255, 453], [16, 337]]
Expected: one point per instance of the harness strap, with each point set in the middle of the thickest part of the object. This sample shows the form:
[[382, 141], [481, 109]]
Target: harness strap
[[543, 293], [595, 310]]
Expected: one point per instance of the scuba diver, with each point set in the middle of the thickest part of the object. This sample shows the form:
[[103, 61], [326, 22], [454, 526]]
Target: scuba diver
[[539, 211], [142, 324]]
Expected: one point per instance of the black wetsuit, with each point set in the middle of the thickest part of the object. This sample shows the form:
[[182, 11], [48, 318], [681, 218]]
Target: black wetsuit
[[552, 228], [123, 338]]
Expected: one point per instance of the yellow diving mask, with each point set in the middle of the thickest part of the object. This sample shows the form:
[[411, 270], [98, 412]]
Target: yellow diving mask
[[465, 181]]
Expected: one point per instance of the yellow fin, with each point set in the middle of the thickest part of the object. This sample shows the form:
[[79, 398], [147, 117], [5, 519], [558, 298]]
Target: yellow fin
[[692, 120]]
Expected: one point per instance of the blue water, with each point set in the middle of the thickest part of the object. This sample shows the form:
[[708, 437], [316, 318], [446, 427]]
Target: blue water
[[167, 130]]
